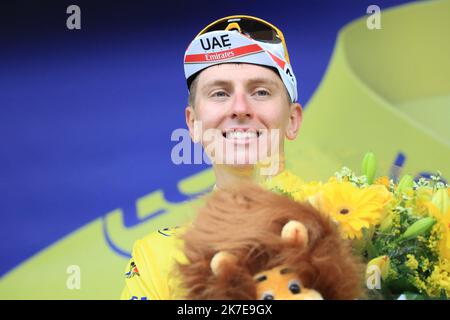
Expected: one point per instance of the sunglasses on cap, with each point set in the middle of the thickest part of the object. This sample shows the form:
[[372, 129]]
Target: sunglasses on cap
[[253, 27]]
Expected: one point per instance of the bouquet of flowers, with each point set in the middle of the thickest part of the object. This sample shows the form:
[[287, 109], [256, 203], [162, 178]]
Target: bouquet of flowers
[[402, 229]]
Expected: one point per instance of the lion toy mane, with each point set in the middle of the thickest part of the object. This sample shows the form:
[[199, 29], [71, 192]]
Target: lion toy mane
[[249, 243]]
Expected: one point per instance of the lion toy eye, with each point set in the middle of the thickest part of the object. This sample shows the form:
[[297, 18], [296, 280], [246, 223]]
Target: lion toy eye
[[267, 296], [294, 286]]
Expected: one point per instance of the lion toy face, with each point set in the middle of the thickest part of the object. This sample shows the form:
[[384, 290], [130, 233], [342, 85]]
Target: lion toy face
[[281, 283], [248, 243]]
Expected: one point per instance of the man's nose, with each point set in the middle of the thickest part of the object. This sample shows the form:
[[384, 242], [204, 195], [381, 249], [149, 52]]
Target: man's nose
[[241, 108]]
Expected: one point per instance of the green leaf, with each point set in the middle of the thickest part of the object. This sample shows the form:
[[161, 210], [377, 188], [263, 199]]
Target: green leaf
[[417, 228], [372, 251], [369, 167], [400, 285]]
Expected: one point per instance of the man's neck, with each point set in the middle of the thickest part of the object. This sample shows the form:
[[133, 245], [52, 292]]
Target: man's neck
[[228, 175]]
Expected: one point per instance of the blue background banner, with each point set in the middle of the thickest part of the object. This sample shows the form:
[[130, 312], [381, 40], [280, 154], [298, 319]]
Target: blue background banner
[[86, 115]]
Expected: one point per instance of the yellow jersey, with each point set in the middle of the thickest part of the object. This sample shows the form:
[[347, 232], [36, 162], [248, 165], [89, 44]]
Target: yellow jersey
[[149, 274]]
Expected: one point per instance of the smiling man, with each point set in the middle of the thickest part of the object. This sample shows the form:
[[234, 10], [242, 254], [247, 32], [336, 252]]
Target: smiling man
[[242, 86], [247, 112], [242, 107]]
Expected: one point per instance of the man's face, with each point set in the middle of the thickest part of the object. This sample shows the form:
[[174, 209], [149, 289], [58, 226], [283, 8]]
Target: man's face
[[248, 109]]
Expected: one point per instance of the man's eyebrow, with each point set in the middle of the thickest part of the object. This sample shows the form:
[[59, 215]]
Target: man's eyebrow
[[251, 81], [215, 83], [269, 81]]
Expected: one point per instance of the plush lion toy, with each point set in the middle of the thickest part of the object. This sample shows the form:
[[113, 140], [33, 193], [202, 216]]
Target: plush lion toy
[[250, 243]]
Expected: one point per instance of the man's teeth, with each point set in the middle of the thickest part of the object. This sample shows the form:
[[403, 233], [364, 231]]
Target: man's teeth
[[241, 135]]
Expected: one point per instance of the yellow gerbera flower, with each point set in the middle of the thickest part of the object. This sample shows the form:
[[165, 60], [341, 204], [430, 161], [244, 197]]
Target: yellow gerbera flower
[[354, 209], [332, 179], [294, 186], [308, 191], [382, 181], [286, 181]]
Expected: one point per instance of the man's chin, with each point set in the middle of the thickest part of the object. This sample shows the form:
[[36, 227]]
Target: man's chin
[[244, 160], [244, 166]]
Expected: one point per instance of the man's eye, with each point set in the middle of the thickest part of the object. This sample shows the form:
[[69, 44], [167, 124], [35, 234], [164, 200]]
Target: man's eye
[[262, 92], [219, 94]]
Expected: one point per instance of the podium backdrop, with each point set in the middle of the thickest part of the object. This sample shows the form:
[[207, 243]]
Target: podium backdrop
[[87, 115]]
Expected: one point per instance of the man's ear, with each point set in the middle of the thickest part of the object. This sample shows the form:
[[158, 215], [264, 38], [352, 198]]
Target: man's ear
[[295, 121], [190, 122]]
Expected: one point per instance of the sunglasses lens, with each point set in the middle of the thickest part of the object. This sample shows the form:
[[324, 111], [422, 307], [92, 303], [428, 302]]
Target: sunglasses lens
[[255, 29]]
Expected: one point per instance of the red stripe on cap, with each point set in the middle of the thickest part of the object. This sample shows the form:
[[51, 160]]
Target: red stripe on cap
[[280, 62], [223, 55]]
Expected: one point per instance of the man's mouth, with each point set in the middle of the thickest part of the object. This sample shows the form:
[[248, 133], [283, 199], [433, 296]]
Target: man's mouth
[[241, 133]]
